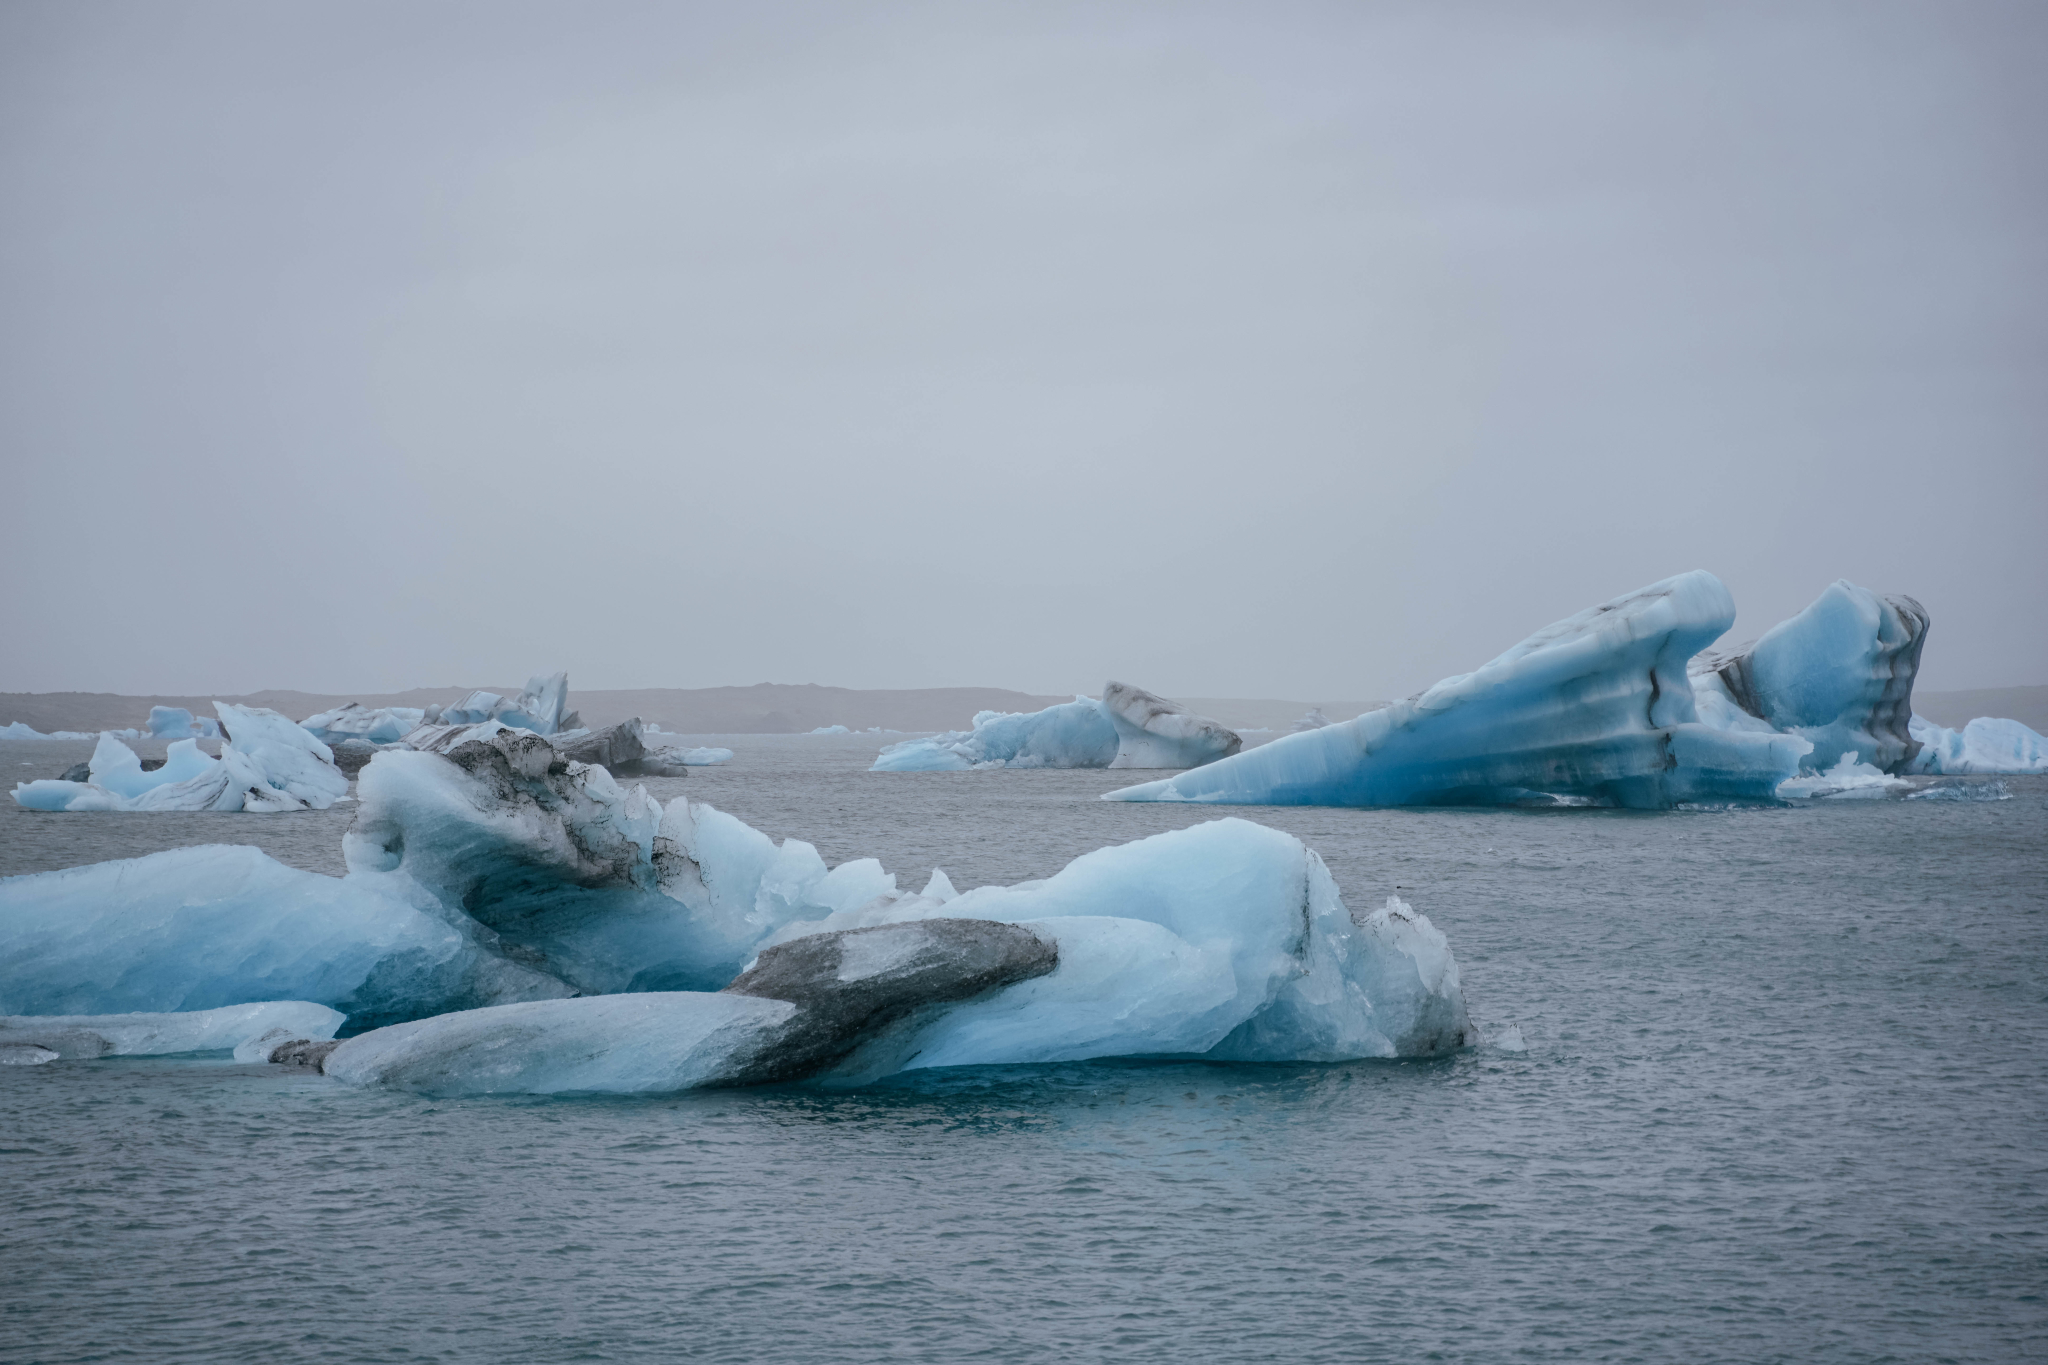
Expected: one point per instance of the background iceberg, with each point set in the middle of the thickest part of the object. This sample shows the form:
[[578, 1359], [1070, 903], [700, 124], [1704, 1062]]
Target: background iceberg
[[167, 1034], [1128, 728], [1986, 745], [266, 764], [175, 722], [1596, 706], [385, 725]]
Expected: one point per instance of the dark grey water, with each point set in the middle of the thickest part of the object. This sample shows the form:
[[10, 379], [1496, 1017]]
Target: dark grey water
[[1783, 1099]]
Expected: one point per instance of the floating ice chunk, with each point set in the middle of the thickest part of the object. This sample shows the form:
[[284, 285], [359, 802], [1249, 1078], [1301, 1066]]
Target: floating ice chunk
[[384, 725], [166, 1034], [1595, 706], [22, 730], [199, 928], [1987, 745], [701, 758], [26, 1054], [1962, 791], [289, 758], [831, 730], [175, 722], [1510, 1039], [1152, 732], [1849, 779], [1839, 675], [940, 887]]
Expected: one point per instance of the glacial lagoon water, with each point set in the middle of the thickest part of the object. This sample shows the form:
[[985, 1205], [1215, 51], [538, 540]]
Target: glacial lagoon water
[[1784, 1096]]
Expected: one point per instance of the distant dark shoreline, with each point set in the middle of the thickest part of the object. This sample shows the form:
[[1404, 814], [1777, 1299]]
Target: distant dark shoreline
[[763, 709]]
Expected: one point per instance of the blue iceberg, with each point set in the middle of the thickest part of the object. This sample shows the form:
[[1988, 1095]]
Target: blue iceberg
[[266, 764], [1595, 708], [383, 725], [175, 722], [1128, 728], [1987, 745], [541, 708]]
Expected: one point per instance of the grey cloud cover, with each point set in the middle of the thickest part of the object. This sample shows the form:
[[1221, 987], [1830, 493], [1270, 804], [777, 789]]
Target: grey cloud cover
[[1295, 350]]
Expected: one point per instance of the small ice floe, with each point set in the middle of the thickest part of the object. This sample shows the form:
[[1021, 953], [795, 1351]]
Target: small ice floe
[[1848, 780]]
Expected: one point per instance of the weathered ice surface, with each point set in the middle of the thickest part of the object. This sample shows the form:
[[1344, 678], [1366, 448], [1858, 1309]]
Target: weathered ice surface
[[200, 928], [649, 1043], [164, 1034], [1839, 675], [351, 756], [1596, 707], [805, 1005], [175, 722], [267, 764], [1128, 728], [1152, 732]]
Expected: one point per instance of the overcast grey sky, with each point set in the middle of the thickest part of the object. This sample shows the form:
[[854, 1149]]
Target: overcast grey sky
[[1261, 349]]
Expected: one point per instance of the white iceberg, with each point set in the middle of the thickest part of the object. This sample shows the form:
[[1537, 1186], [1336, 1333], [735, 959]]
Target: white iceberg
[[1987, 745], [266, 764], [707, 757], [200, 928], [167, 1034], [175, 722], [1128, 728], [1593, 708], [1838, 675], [23, 730], [383, 725], [831, 730]]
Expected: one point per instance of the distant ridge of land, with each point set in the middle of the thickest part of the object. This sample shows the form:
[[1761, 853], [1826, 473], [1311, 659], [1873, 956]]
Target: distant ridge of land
[[787, 708]]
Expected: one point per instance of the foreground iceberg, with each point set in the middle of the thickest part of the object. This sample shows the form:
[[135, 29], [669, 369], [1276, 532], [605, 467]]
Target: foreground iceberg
[[1596, 707], [1227, 941], [1838, 675], [503, 874], [1985, 746], [266, 764], [1128, 728], [160, 1035]]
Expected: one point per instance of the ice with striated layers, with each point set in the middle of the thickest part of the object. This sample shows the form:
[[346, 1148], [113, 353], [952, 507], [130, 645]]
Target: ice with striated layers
[[1838, 675], [541, 708], [1593, 708], [1128, 728], [267, 764]]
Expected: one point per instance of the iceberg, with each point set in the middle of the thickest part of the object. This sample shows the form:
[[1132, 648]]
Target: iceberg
[[1987, 746], [23, 730], [266, 764], [831, 730], [1595, 708], [218, 925], [1128, 728], [540, 708], [167, 1034], [701, 758], [175, 722], [1838, 675], [1228, 941], [1848, 779], [384, 725], [1311, 719]]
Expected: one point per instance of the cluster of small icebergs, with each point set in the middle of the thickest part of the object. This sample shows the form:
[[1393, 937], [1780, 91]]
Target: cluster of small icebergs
[[268, 763], [514, 922]]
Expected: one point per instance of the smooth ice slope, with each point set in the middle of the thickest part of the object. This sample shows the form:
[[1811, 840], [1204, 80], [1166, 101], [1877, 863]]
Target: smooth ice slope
[[267, 764], [1596, 707], [161, 1035], [1986, 745], [1839, 675], [1128, 728], [199, 928]]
